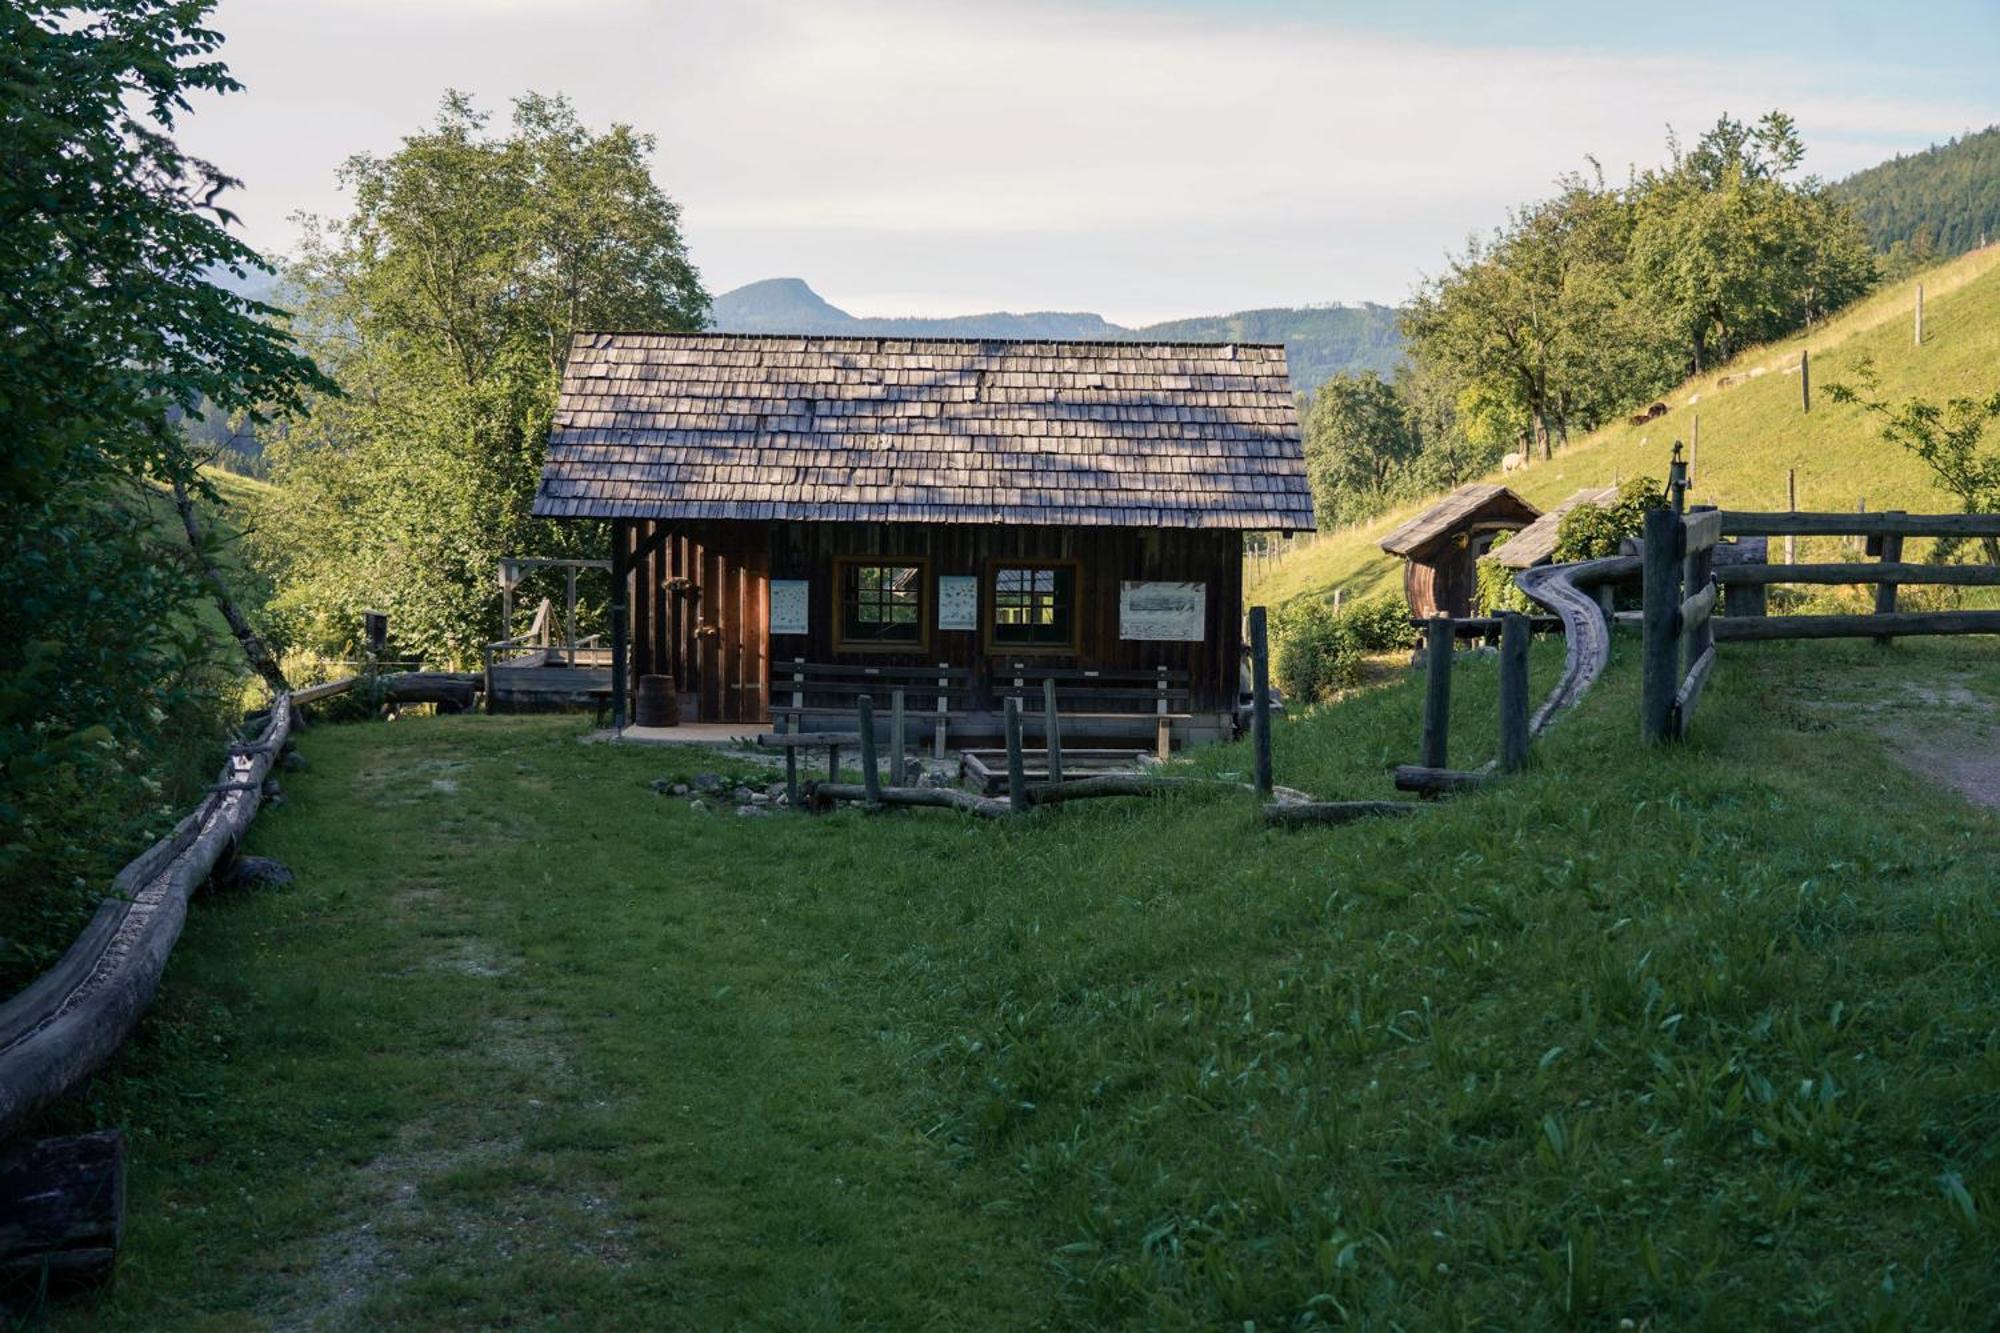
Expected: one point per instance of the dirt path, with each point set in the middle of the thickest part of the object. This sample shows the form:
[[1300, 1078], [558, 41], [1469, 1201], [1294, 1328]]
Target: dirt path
[[1943, 729]]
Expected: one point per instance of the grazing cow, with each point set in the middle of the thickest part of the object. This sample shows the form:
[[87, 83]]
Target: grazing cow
[[1655, 411], [1513, 461]]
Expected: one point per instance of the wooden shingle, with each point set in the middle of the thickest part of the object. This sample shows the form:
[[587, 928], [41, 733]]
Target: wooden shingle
[[902, 430]]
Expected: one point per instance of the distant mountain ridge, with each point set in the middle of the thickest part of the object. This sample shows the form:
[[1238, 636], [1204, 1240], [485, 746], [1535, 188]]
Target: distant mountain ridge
[[1942, 201], [1320, 341]]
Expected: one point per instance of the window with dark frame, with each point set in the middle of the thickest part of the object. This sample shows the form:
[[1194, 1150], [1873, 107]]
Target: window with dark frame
[[1034, 606], [881, 604]]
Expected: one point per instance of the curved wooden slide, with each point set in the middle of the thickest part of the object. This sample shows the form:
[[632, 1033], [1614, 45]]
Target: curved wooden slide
[[1586, 633]]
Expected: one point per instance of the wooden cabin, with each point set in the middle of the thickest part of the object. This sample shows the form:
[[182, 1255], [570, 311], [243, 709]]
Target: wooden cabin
[[793, 517], [1441, 547]]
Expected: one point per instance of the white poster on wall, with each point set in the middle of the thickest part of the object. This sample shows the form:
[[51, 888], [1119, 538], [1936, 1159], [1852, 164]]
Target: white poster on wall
[[958, 601], [1173, 612], [788, 606]]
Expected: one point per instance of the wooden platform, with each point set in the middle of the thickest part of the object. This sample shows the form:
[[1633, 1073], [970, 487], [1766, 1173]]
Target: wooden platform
[[547, 682]]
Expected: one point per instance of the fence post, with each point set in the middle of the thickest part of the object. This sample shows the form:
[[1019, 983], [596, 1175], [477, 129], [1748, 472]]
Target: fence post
[[871, 777], [617, 657], [1051, 729], [1660, 651], [1885, 593], [1260, 697], [1514, 633], [1438, 637], [1017, 777], [1791, 506], [1696, 570], [1805, 379], [895, 738]]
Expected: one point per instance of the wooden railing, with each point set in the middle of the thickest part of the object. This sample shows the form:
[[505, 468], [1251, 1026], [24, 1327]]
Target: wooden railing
[[1683, 583]]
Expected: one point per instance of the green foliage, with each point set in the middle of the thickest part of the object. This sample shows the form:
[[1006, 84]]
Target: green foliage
[[1359, 444], [1590, 532], [1728, 252], [1930, 205], [1497, 590], [1317, 650], [1948, 438], [108, 237], [444, 305]]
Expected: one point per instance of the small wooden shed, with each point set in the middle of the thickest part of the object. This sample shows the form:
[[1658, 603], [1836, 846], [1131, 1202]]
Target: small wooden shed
[[1442, 546], [968, 511]]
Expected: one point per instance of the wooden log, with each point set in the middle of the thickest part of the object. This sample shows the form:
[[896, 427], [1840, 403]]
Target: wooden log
[[1885, 592], [617, 643], [1701, 529], [65, 1024], [1420, 778], [1514, 636], [62, 1212], [1697, 607], [1689, 694], [1260, 699], [1052, 730], [791, 772], [1859, 571], [896, 758], [314, 693], [1857, 626], [1125, 784], [1017, 776], [1297, 814], [431, 687], [1741, 523], [871, 773], [1434, 746], [1660, 651], [823, 795]]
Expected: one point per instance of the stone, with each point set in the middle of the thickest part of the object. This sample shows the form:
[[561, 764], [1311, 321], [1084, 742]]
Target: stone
[[760, 798], [698, 805], [293, 762], [750, 811], [709, 782], [664, 785], [742, 795], [681, 789], [256, 872]]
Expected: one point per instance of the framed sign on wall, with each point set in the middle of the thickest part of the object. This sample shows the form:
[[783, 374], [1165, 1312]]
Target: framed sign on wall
[[958, 601], [789, 598], [1162, 612]]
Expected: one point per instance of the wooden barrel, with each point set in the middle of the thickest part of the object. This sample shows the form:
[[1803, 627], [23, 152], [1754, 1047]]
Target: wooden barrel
[[657, 704]]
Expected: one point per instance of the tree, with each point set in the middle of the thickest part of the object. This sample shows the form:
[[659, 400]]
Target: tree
[[1541, 318], [108, 235], [443, 304], [1358, 441], [1949, 438], [1729, 252]]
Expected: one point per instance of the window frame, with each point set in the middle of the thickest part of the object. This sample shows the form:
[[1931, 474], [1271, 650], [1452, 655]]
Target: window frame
[[989, 618], [926, 604]]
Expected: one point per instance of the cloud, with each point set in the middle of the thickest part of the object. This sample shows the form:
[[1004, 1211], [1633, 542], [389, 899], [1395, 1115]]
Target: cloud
[[989, 144]]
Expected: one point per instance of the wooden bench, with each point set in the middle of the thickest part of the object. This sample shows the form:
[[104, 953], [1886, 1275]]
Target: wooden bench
[[930, 694], [1093, 695]]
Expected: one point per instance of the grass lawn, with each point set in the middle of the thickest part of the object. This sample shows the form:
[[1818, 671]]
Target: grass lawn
[[1752, 432], [1703, 1038]]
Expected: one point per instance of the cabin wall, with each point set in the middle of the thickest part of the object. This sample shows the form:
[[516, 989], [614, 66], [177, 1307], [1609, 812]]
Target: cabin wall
[[729, 566]]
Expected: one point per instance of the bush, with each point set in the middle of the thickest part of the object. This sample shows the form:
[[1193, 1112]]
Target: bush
[[1589, 532], [1318, 650], [1498, 592], [1379, 624]]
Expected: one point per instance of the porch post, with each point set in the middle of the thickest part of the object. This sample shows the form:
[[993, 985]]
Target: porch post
[[619, 572]]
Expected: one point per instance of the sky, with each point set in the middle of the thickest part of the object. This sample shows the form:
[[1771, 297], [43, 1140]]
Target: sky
[[1144, 160]]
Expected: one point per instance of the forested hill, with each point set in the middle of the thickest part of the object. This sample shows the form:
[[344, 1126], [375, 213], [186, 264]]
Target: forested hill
[[1320, 340], [1942, 201]]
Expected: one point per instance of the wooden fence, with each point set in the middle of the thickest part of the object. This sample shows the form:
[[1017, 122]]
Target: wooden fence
[[1683, 583]]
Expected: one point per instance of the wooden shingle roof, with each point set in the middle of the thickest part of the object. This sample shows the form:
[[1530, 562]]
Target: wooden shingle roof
[[1191, 435], [1476, 502], [1537, 542]]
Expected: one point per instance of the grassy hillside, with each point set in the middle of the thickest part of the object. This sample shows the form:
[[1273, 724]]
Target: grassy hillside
[[1751, 431], [241, 498], [1679, 1039]]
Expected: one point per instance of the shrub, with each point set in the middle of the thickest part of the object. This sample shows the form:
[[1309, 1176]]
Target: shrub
[[1498, 592], [1315, 655], [1590, 531], [1379, 624]]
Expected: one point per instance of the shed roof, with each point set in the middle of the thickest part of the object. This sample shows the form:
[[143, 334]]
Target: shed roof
[[1537, 542], [1472, 503], [1191, 435]]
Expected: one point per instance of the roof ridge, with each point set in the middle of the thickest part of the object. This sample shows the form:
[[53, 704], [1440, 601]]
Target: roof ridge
[[923, 338]]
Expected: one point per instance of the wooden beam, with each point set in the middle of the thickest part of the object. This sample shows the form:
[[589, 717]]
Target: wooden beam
[[1862, 571], [1260, 700], [1514, 637], [1690, 691], [1741, 523], [1856, 626], [1660, 650], [1297, 814], [62, 1212], [1418, 777], [1435, 743]]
